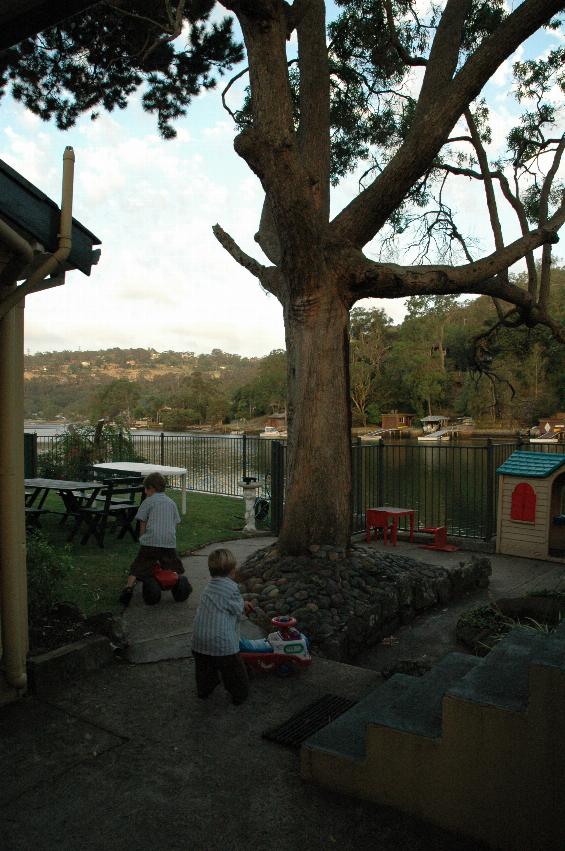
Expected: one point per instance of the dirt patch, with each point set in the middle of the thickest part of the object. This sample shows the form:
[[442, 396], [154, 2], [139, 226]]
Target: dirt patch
[[65, 624]]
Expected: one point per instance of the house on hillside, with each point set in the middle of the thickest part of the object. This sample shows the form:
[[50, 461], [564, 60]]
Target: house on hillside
[[394, 419], [277, 421]]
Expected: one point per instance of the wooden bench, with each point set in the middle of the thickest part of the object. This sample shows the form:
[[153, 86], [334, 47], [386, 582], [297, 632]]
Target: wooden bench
[[440, 539], [121, 511], [33, 517]]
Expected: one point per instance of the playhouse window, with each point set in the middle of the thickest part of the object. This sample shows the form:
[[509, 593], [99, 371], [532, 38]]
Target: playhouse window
[[523, 504]]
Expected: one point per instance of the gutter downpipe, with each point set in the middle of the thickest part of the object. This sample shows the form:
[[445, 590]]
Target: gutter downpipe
[[65, 239], [13, 573]]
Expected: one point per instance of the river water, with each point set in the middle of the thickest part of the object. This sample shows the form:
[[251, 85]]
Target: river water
[[452, 483]]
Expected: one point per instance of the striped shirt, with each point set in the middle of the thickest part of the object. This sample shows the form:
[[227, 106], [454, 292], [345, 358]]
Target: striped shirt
[[216, 624], [162, 517]]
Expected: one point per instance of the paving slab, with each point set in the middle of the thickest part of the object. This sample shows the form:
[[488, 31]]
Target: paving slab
[[189, 774], [432, 634], [129, 757]]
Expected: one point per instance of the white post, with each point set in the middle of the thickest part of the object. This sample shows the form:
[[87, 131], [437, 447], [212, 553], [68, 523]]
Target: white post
[[249, 494]]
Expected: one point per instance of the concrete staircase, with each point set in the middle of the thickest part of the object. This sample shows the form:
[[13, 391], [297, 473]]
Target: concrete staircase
[[476, 745]]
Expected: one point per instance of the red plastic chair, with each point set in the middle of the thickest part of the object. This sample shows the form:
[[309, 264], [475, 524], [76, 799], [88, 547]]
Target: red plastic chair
[[376, 520]]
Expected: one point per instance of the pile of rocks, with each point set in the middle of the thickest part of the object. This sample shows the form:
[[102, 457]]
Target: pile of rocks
[[347, 601]]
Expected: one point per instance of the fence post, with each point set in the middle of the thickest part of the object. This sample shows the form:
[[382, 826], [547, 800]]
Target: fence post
[[380, 472], [30, 455], [244, 456], [489, 502], [162, 449], [357, 483], [277, 486]]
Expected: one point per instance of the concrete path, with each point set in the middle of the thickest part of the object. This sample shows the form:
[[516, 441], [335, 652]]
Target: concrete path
[[164, 631]]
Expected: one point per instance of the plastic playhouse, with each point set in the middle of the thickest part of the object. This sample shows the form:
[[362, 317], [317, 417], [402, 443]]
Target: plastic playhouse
[[531, 506]]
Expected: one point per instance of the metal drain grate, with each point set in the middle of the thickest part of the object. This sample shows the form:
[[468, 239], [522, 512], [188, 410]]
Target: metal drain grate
[[308, 721]]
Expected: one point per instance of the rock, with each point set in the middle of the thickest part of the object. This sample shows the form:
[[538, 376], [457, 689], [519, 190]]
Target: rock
[[345, 603], [411, 667], [109, 625]]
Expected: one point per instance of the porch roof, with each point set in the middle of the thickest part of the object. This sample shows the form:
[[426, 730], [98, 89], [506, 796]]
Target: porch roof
[[30, 211]]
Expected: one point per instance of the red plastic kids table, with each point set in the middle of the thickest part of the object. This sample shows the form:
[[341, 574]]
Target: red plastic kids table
[[379, 517]]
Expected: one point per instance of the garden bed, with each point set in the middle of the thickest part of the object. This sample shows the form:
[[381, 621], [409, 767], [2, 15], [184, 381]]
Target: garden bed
[[348, 601]]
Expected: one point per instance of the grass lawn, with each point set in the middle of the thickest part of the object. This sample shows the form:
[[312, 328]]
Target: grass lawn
[[99, 574]]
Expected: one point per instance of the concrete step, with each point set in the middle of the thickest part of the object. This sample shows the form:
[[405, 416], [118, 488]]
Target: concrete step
[[347, 735], [502, 679], [553, 649], [411, 704]]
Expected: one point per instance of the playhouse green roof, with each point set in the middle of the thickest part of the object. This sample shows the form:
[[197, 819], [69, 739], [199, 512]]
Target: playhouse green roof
[[535, 465]]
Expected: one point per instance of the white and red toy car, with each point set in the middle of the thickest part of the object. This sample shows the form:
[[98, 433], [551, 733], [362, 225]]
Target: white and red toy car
[[283, 651]]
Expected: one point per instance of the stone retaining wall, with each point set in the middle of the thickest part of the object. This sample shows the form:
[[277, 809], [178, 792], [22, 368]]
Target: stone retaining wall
[[346, 602]]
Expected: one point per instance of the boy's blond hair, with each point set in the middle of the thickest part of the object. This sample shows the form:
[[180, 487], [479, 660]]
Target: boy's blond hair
[[221, 562], [155, 481]]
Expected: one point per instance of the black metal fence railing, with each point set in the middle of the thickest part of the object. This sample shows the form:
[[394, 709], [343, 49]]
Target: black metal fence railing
[[452, 485]]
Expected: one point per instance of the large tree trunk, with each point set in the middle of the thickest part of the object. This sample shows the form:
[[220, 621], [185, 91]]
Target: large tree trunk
[[318, 506]]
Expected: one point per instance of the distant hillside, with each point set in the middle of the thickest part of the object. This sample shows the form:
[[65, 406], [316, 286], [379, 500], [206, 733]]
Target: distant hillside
[[65, 382]]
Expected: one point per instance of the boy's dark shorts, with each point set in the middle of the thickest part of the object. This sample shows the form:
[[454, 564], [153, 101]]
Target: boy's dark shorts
[[143, 563]]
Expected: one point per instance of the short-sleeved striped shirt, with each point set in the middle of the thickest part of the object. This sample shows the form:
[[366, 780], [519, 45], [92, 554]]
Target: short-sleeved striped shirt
[[162, 517], [216, 624]]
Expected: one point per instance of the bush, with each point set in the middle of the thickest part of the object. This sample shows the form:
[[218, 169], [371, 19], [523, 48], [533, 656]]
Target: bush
[[75, 452], [47, 568]]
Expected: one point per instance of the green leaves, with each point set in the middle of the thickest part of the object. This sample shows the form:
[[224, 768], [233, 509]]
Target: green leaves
[[100, 57]]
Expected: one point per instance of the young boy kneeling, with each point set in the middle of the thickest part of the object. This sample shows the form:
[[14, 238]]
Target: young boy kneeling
[[215, 640]]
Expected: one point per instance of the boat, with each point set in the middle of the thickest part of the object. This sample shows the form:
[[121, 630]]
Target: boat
[[548, 437], [550, 430], [438, 434], [372, 436], [272, 433]]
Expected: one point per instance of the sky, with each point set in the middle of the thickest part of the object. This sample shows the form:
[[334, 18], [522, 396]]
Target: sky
[[163, 281]]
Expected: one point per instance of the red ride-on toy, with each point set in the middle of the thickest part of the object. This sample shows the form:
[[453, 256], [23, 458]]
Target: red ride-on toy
[[165, 580], [283, 651]]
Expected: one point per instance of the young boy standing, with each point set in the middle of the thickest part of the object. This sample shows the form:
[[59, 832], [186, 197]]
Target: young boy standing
[[215, 640], [158, 520]]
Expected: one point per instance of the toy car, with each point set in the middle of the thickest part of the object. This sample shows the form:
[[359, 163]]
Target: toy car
[[282, 652], [165, 580]]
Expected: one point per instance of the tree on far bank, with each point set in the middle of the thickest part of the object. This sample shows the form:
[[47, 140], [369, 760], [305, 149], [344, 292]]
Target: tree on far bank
[[369, 344], [400, 87]]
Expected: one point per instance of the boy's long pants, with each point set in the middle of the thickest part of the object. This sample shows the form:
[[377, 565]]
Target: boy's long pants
[[208, 670]]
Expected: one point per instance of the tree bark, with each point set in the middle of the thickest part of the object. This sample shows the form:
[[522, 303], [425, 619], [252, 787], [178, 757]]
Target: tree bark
[[318, 503]]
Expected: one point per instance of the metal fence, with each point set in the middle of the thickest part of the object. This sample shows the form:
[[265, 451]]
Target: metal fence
[[215, 463], [452, 485]]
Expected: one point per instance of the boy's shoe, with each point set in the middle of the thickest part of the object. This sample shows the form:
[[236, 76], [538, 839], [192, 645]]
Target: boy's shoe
[[125, 597]]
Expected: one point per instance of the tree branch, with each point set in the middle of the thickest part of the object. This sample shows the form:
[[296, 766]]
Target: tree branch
[[314, 129], [545, 272], [388, 280], [267, 275], [363, 217], [443, 59], [395, 41]]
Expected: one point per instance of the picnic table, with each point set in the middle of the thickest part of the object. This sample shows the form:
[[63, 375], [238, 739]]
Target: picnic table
[[37, 491], [145, 469], [118, 501]]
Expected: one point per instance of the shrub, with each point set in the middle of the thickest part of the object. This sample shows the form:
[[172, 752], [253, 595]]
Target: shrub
[[75, 452], [47, 568]]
